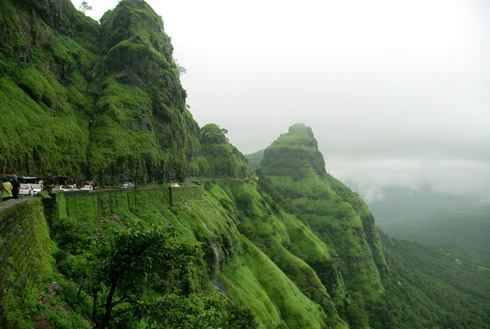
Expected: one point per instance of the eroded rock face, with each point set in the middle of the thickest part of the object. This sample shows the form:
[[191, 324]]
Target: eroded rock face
[[296, 150], [152, 113], [336, 214], [219, 157], [100, 102]]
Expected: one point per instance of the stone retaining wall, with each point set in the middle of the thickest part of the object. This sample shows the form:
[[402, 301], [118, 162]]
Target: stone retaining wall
[[24, 245]]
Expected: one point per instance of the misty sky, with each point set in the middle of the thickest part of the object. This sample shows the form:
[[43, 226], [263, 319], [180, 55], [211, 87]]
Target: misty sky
[[397, 92]]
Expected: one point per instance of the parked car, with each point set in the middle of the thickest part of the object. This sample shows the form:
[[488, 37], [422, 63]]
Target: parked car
[[25, 189], [73, 187], [87, 188], [127, 185], [36, 188], [66, 188]]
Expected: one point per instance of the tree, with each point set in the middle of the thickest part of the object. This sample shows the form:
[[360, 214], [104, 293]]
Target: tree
[[180, 68], [198, 311], [128, 265], [84, 6]]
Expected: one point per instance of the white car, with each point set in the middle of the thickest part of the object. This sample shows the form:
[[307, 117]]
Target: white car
[[25, 189], [66, 188], [87, 188], [36, 188]]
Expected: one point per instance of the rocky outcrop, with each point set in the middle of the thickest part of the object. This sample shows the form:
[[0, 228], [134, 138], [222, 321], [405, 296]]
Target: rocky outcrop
[[336, 214], [100, 102], [219, 157]]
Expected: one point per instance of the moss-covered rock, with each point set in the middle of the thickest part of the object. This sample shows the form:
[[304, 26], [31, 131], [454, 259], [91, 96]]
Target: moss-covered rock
[[92, 101], [219, 157], [336, 214]]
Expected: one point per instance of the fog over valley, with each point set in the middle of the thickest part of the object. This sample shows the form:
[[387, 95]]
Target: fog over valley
[[396, 92]]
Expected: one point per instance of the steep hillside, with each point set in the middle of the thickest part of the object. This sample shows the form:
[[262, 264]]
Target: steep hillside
[[81, 98], [338, 216], [468, 227], [219, 157], [233, 257], [47, 68], [254, 159], [262, 258], [389, 284]]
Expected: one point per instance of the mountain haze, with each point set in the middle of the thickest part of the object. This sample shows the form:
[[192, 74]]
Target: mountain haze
[[292, 247], [467, 227]]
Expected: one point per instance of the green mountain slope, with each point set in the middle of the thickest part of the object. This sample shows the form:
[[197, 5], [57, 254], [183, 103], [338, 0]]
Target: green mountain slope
[[219, 157], [82, 98], [469, 227], [254, 159], [294, 249], [331, 209], [372, 268], [432, 287]]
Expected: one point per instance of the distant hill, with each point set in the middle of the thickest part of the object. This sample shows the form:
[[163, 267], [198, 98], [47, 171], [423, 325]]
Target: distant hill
[[254, 159], [401, 203], [469, 227]]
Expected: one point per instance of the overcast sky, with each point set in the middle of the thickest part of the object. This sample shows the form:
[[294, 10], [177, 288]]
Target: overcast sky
[[397, 92]]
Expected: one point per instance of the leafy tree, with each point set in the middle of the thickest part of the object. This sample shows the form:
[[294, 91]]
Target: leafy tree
[[127, 266], [221, 159], [180, 68], [84, 6], [198, 311]]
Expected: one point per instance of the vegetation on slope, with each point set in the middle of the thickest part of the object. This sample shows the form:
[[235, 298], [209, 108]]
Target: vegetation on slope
[[254, 159], [334, 213], [234, 258], [219, 157], [141, 103], [430, 287], [44, 90], [389, 284], [469, 227], [79, 98]]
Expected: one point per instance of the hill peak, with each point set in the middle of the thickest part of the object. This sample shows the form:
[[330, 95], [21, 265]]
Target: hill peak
[[297, 149]]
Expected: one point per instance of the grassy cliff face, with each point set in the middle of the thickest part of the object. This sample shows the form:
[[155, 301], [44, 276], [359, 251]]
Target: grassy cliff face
[[45, 98], [219, 157], [263, 261], [337, 215], [141, 102], [80, 99], [388, 283]]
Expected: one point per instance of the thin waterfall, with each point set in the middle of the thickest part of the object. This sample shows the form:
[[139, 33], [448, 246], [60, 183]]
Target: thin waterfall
[[217, 255]]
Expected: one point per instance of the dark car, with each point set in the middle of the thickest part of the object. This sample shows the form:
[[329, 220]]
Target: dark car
[[127, 186]]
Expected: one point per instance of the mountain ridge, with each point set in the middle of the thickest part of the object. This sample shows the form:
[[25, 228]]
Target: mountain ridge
[[291, 248]]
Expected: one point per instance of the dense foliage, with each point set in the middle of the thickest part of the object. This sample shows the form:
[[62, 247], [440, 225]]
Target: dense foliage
[[135, 272], [219, 157], [242, 255], [79, 98]]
